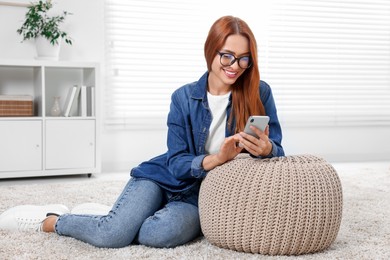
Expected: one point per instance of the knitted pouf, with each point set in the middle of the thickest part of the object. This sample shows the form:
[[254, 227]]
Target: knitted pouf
[[281, 206]]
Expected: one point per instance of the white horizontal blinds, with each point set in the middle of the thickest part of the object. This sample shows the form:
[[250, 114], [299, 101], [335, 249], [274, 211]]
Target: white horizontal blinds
[[153, 47], [329, 61]]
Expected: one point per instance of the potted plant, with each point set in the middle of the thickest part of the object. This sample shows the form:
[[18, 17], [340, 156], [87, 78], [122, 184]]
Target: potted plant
[[45, 29]]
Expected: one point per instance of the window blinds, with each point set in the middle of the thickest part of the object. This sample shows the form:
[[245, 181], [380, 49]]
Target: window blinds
[[153, 47], [328, 62]]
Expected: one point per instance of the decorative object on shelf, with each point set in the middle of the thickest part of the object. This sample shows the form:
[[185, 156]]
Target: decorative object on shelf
[[44, 29], [21, 105], [56, 108], [45, 50]]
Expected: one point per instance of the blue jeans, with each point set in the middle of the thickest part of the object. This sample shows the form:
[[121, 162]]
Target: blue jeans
[[144, 213]]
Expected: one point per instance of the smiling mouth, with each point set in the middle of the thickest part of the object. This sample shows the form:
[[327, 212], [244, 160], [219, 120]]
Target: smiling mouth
[[230, 74]]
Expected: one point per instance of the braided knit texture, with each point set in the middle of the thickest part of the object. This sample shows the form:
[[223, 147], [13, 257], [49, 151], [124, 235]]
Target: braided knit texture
[[280, 206]]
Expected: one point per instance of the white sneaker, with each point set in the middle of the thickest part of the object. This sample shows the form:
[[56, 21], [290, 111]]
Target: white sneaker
[[91, 209], [29, 217]]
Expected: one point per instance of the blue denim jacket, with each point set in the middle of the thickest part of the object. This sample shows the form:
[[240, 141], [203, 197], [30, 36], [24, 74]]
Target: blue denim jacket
[[189, 119]]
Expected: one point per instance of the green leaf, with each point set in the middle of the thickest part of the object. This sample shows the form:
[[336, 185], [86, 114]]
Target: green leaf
[[38, 23]]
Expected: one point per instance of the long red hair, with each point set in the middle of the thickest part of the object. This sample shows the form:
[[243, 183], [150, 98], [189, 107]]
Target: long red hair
[[245, 91]]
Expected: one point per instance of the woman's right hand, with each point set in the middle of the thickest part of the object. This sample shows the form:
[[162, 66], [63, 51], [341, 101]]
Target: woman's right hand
[[228, 151]]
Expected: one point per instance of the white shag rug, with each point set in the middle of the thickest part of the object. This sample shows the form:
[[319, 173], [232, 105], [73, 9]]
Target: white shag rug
[[364, 232]]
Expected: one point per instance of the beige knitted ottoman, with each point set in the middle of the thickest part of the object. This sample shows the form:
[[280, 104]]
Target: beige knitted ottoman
[[281, 206]]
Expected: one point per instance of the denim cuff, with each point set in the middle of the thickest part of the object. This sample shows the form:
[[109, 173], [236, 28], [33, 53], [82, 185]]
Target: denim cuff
[[197, 170], [273, 153]]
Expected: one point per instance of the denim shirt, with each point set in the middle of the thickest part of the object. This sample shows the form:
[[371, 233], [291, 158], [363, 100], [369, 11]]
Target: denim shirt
[[189, 120]]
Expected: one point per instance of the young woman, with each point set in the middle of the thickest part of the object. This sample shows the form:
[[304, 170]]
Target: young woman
[[159, 205]]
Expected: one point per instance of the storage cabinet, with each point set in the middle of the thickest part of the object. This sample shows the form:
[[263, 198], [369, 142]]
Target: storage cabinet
[[21, 145], [42, 144], [70, 144]]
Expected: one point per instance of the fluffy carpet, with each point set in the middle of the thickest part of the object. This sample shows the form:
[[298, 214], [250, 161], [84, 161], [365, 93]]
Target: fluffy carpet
[[364, 232]]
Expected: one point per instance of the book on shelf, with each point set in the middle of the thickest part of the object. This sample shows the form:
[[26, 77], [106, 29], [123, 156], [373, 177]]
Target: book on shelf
[[80, 101], [87, 101], [83, 101], [71, 102], [91, 101]]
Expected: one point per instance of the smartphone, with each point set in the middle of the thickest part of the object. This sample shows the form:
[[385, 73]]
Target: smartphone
[[260, 122]]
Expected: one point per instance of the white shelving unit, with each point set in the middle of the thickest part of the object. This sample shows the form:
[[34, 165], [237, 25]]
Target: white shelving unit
[[44, 145]]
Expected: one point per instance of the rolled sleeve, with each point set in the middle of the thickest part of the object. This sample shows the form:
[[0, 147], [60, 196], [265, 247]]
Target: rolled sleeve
[[197, 170], [274, 152]]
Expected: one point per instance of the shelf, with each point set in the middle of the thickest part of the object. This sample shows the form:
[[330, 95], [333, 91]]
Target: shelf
[[49, 144], [46, 63]]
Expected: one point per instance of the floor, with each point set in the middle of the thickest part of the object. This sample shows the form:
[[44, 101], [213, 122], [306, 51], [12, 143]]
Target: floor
[[66, 179], [351, 166]]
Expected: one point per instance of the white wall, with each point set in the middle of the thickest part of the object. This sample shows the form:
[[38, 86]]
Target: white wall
[[85, 26], [122, 150], [336, 144]]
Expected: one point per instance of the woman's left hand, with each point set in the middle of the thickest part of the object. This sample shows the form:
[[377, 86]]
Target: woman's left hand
[[257, 146]]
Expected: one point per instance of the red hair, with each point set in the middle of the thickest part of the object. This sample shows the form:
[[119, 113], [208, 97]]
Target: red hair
[[245, 91]]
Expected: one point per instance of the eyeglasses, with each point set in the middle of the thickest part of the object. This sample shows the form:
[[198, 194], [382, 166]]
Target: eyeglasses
[[228, 59]]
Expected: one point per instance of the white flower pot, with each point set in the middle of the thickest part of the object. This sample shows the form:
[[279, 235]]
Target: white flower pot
[[46, 50]]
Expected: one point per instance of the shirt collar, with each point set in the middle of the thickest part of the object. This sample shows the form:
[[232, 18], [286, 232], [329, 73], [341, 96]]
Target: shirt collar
[[199, 91]]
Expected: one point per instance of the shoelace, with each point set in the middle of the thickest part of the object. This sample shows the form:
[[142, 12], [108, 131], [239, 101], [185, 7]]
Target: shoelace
[[32, 224], [29, 224]]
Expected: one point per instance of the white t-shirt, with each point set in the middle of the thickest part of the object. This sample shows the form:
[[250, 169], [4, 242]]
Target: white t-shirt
[[216, 136]]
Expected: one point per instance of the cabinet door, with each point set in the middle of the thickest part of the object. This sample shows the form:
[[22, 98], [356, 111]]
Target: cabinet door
[[70, 144], [20, 145]]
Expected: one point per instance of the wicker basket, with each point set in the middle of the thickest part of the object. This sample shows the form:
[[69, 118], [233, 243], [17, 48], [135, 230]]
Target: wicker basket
[[281, 206], [16, 106]]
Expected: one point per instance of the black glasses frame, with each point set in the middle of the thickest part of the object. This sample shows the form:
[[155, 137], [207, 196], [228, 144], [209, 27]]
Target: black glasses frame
[[232, 61]]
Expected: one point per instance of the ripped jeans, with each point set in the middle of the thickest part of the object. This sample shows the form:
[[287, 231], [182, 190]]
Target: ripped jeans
[[144, 214]]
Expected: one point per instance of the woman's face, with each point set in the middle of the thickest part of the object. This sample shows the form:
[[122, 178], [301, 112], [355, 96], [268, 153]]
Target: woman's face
[[235, 47]]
